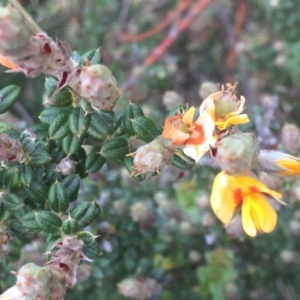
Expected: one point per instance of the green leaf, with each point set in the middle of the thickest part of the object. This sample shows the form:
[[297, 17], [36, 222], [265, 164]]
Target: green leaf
[[79, 121], [26, 174], [12, 202], [101, 125], [11, 179], [131, 112], [59, 128], [57, 155], [70, 226], [2, 210], [145, 129], [182, 161], [85, 213], [49, 114], [94, 160], [28, 220], [86, 105], [128, 162], [116, 148], [92, 56], [8, 97], [58, 198], [63, 98], [85, 236], [3, 127], [39, 157], [28, 145], [72, 185], [36, 192], [48, 221], [17, 228], [92, 251], [40, 130], [71, 144]]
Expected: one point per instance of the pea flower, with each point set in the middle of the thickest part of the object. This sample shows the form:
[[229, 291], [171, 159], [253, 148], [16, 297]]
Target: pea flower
[[230, 194], [225, 108], [278, 163], [196, 137]]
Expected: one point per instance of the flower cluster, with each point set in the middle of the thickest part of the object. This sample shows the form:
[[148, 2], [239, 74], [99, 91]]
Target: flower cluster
[[236, 188]]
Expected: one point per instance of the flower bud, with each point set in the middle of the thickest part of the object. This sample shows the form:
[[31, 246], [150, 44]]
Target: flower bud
[[14, 32], [66, 166], [195, 256], [121, 207], [152, 157], [287, 256], [142, 212], [171, 100], [278, 163], [208, 88], [203, 201], [10, 150], [208, 220], [4, 240], [237, 153], [99, 86], [187, 228], [231, 291], [138, 288], [294, 226], [290, 137]]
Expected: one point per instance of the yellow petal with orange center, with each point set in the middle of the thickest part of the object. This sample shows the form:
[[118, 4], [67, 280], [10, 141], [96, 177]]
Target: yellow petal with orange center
[[233, 120], [258, 215], [225, 197], [189, 116], [7, 63], [292, 167], [250, 185]]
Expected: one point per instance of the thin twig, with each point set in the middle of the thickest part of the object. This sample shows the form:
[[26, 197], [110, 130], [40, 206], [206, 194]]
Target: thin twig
[[177, 29], [22, 112]]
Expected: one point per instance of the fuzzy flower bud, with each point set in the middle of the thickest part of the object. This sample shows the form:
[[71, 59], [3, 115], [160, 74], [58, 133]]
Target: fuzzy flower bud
[[172, 99], [4, 240], [10, 150], [14, 31], [152, 157], [278, 163], [142, 212], [99, 86], [290, 137], [236, 153], [138, 288], [66, 166]]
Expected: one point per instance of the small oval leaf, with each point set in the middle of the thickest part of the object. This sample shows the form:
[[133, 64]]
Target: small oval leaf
[[59, 128], [70, 226], [72, 185], [48, 221], [79, 121], [94, 160], [58, 198], [116, 148], [145, 129], [8, 97], [85, 213]]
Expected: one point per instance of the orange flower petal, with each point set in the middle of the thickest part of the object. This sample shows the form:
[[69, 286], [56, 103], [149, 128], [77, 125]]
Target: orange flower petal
[[7, 63]]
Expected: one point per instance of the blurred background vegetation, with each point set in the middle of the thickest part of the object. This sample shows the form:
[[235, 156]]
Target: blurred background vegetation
[[160, 239]]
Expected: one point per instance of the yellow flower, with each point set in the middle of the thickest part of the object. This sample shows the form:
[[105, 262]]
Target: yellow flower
[[278, 163], [225, 108], [230, 194], [197, 137]]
